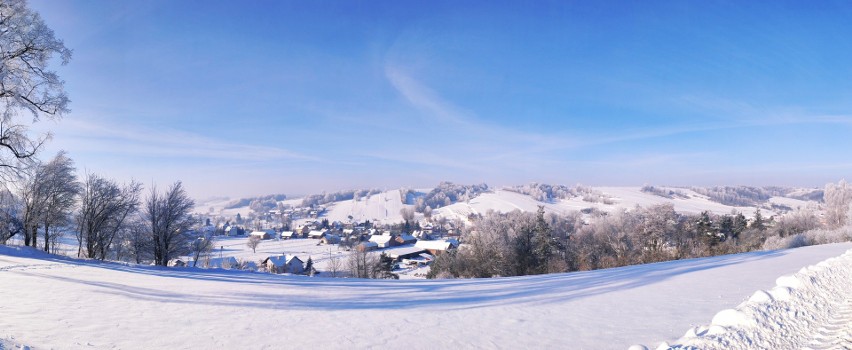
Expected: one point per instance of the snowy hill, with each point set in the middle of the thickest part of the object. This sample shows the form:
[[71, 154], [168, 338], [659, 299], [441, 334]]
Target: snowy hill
[[50, 302], [383, 207], [620, 198]]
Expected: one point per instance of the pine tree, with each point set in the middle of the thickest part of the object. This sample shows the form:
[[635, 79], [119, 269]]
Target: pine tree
[[726, 226], [384, 268], [543, 245], [740, 224], [758, 222], [309, 267]]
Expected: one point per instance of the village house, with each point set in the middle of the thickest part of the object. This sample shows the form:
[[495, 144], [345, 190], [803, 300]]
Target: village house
[[366, 246], [404, 253], [228, 262], [383, 241], [234, 231], [317, 234], [330, 238], [267, 234], [290, 235], [437, 247], [284, 264], [404, 239]]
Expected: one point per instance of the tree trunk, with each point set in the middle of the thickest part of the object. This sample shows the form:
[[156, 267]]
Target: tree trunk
[[46, 237], [35, 236]]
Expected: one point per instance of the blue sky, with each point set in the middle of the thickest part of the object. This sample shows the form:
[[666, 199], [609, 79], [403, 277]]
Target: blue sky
[[239, 98]]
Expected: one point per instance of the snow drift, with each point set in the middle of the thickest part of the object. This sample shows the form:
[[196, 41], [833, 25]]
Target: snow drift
[[811, 309]]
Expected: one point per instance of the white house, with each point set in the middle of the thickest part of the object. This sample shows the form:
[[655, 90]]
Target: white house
[[267, 234], [383, 241], [437, 247], [284, 264], [228, 262]]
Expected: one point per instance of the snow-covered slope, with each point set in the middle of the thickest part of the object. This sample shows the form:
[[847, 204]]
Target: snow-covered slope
[[621, 197], [383, 207], [811, 309], [49, 302]]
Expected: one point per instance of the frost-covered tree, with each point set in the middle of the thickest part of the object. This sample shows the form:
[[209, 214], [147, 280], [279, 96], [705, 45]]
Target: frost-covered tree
[[253, 242], [29, 89], [837, 198], [200, 246], [60, 188], [48, 192], [105, 210], [168, 221]]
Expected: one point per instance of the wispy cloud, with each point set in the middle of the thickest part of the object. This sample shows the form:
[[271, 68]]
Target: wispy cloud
[[135, 140]]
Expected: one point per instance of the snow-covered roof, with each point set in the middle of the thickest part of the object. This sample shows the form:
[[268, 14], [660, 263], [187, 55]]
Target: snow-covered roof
[[397, 252], [316, 233], [230, 261], [407, 237], [380, 239], [281, 260], [437, 245]]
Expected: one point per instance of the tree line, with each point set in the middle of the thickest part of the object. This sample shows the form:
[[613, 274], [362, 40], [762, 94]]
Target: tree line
[[521, 243]]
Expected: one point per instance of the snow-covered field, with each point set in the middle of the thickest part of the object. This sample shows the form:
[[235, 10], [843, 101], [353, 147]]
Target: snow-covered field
[[49, 302]]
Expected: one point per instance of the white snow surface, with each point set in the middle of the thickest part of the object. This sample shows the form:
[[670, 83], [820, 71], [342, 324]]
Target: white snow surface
[[54, 302], [810, 309], [381, 207]]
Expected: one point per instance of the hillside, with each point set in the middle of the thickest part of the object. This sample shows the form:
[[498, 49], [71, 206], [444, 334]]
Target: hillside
[[385, 207], [69, 304]]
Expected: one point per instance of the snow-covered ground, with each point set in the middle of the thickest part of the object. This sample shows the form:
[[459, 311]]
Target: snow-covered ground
[[381, 207], [50, 302], [811, 309]]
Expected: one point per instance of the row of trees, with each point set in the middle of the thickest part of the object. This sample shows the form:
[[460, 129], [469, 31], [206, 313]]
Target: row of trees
[[108, 218], [518, 243]]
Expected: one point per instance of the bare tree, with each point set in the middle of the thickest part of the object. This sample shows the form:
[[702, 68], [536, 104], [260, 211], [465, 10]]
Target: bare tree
[[201, 246], [104, 211], [168, 220], [27, 86], [253, 242], [136, 240], [362, 264], [334, 266]]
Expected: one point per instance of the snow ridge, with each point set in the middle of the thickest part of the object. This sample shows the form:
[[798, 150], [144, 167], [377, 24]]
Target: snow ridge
[[811, 309]]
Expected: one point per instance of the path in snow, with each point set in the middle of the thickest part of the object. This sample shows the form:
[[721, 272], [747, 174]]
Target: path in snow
[[837, 332]]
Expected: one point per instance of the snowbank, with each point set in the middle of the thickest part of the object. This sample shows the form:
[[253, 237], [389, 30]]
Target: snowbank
[[809, 309]]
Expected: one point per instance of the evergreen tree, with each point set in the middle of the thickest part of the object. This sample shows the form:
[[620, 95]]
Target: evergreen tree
[[309, 267], [384, 268], [543, 245], [705, 229], [726, 226], [740, 224], [758, 223]]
